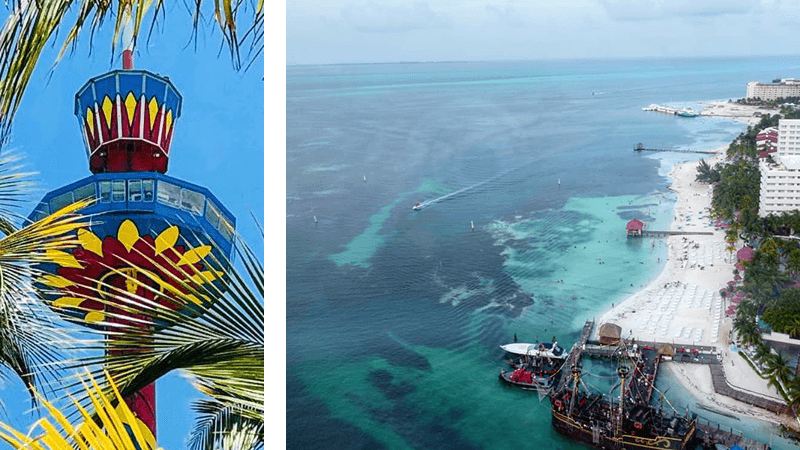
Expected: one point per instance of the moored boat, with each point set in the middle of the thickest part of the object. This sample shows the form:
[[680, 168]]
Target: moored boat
[[542, 349], [630, 422]]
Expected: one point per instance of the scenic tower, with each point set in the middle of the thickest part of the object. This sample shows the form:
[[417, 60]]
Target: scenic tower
[[141, 215]]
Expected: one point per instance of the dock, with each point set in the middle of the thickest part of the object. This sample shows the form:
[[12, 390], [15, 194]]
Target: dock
[[706, 432], [655, 233], [640, 148], [711, 433]]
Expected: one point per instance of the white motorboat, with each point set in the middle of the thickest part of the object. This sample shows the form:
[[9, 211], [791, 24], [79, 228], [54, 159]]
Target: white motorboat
[[542, 349]]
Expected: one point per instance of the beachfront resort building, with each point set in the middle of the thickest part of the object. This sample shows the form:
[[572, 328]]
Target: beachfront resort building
[[780, 176], [787, 87]]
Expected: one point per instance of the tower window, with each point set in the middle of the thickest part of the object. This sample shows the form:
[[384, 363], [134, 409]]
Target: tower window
[[60, 201], [147, 190], [192, 201], [212, 214], [134, 190], [118, 191], [169, 194], [105, 191], [83, 192]]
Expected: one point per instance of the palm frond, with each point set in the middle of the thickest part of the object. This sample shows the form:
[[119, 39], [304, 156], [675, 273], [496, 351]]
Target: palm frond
[[26, 338], [219, 343], [32, 24], [223, 427], [116, 426]]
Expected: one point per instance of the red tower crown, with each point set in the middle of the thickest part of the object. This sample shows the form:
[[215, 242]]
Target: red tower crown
[[127, 118]]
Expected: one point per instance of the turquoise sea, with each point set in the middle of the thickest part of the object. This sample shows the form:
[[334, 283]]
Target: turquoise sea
[[394, 317]]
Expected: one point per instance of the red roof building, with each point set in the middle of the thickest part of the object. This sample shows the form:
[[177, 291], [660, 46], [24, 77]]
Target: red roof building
[[634, 227]]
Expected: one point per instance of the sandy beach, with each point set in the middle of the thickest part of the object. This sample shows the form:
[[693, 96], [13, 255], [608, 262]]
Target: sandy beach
[[683, 304], [750, 115]]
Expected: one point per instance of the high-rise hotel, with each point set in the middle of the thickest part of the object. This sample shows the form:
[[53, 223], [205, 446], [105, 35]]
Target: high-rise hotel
[[780, 177]]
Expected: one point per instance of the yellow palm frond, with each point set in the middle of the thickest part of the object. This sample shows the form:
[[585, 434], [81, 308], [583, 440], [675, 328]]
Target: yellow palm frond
[[107, 428]]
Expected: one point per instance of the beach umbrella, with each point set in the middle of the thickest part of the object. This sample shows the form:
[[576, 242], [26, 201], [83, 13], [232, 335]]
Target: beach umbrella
[[737, 277], [736, 300], [740, 294], [731, 283]]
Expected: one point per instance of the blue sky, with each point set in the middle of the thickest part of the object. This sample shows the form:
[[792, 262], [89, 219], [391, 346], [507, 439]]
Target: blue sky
[[358, 31], [218, 143]]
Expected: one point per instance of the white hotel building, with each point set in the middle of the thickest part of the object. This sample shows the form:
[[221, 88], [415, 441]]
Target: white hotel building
[[788, 87], [780, 181]]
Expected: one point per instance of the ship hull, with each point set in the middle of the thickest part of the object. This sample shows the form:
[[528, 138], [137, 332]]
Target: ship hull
[[603, 438]]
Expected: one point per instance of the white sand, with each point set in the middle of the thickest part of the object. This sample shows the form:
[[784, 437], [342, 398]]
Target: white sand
[[742, 113], [683, 305]]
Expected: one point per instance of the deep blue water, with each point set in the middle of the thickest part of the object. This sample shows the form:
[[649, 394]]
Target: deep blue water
[[394, 317]]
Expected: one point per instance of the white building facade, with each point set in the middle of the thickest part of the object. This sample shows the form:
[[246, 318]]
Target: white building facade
[[788, 87], [780, 180]]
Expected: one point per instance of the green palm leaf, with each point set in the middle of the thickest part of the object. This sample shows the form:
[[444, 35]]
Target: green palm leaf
[[220, 347], [32, 24], [224, 427]]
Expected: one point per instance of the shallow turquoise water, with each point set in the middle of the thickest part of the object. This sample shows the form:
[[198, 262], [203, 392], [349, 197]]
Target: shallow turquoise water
[[395, 317]]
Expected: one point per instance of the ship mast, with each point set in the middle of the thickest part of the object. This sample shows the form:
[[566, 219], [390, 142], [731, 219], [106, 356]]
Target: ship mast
[[623, 372], [576, 375]]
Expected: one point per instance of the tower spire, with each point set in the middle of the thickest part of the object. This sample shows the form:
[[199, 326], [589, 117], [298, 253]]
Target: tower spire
[[127, 42]]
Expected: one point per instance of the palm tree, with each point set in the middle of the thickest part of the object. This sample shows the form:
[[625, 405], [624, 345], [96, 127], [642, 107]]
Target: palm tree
[[746, 328], [778, 371], [762, 352], [32, 24]]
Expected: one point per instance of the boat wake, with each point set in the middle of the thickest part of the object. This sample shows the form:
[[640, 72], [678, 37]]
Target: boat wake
[[428, 203]]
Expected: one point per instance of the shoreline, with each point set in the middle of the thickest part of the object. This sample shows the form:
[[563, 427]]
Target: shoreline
[[682, 303]]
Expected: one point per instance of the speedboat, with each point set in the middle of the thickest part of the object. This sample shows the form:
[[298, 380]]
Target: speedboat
[[527, 379], [417, 207], [540, 350]]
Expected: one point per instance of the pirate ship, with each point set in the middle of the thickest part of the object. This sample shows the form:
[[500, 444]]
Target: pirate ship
[[629, 422]]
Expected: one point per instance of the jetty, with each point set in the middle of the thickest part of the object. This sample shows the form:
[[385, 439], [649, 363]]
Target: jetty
[[641, 148], [707, 432], [655, 233]]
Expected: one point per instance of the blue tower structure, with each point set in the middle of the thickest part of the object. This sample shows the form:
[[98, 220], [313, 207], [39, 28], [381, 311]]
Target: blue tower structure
[[127, 119]]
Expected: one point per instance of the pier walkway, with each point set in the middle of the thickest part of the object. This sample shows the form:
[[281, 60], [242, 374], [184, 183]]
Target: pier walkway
[[710, 433], [676, 233], [642, 149], [706, 432], [721, 386]]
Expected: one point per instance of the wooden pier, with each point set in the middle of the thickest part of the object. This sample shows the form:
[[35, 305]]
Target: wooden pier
[[708, 432], [675, 233], [640, 148]]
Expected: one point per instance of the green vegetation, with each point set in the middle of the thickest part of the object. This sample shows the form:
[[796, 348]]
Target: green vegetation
[[770, 276]]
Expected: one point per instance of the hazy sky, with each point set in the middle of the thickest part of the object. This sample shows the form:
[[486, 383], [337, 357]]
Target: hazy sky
[[348, 31]]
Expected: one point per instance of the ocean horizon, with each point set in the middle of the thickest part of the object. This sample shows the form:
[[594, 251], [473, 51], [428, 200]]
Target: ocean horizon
[[394, 317]]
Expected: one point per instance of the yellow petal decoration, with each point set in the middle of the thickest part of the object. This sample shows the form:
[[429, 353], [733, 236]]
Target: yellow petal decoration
[[94, 316], [90, 119], [167, 239], [194, 255], [90, 241], [130, 106], [56, 281], [108, 106], [153, 107], [65, 302], [168, 121], [128, 234], [63, 259], [206, 276]]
